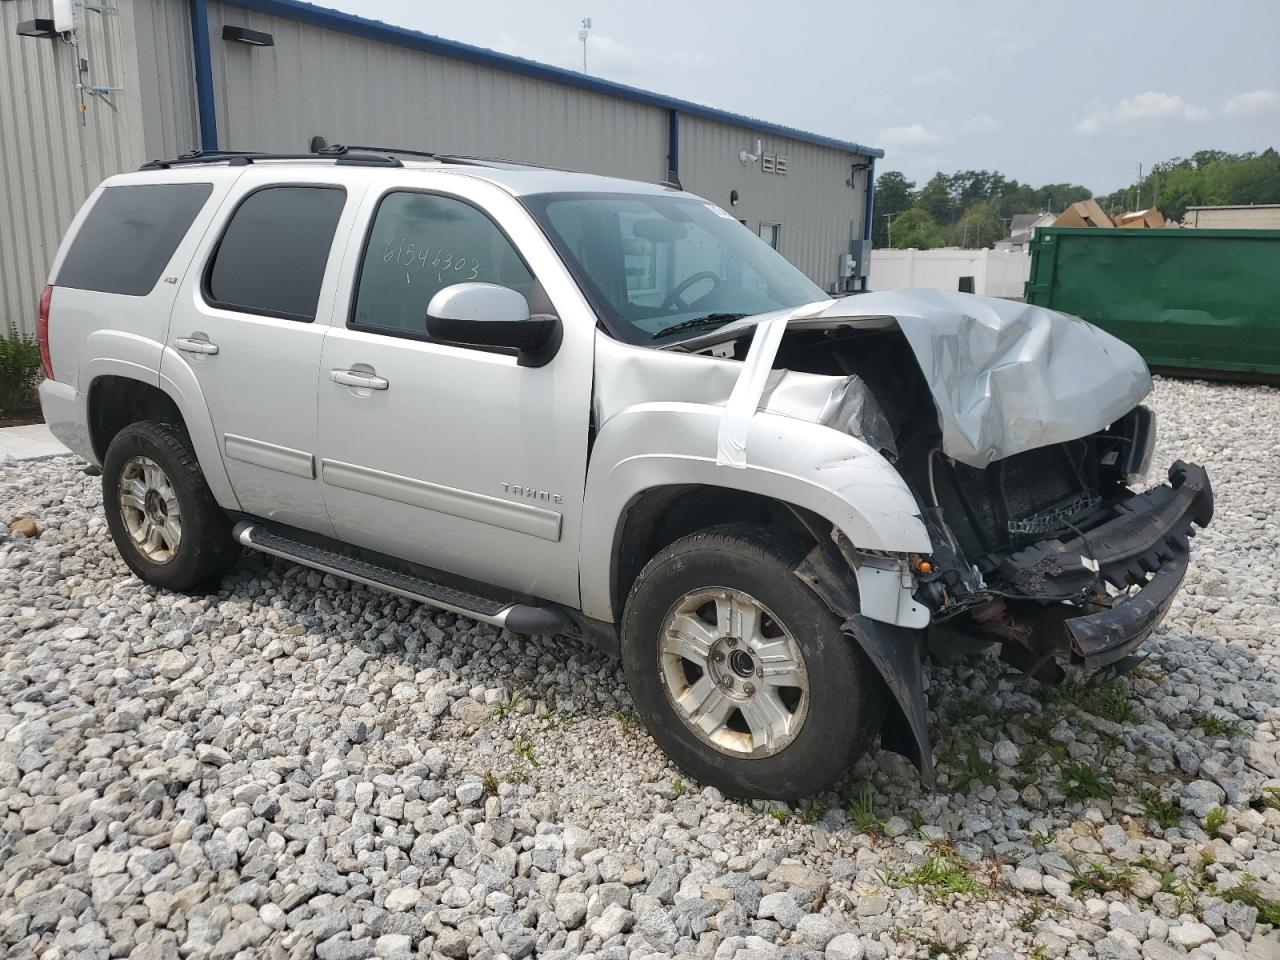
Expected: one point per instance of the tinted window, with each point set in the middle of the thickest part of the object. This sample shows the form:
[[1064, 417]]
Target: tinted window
[[420, 244], [272, 256], [129, 236]]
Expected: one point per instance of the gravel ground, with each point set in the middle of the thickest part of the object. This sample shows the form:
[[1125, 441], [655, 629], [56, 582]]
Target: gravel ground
[[296, 767]]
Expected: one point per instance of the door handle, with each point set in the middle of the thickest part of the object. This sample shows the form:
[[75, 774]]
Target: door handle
[[191, 345], [358, 378]]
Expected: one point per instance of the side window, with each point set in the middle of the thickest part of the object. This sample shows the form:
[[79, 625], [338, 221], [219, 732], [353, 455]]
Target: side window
[[272, 255], [129, 235], [421, 243]]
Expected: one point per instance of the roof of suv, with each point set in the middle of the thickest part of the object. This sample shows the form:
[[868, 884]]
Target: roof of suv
[[518, 179]]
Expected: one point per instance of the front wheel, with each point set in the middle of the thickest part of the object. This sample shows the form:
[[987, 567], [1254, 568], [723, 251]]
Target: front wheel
[[162, 515], [740, 672]]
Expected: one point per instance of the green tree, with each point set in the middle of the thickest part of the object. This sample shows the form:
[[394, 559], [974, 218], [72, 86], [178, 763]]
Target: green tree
[[894, 194], [916, 228], [936, 200], [979, 226]]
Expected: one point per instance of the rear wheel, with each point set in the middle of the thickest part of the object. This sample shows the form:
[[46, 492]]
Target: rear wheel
[[162, 515], [741, 672]]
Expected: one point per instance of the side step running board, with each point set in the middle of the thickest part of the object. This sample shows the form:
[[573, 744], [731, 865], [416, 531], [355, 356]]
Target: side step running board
[[520, 617]]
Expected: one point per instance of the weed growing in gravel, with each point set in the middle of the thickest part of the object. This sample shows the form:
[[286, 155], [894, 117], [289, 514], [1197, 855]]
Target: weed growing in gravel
[[504, 710], [679, 787], [1082, 782], [1213, 821], [1108, 699], [975, 768], [940, 876], [490, 783], [1167, 813], [1097, 877], [523, 749], [1186, 887], [1026, 780], [1217, 726], [781, 814], [1246, 891], [814, 813], [1030, 917], [1270, 798], [862, 810]]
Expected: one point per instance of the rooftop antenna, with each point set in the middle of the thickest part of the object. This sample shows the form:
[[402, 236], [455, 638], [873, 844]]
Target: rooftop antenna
[[582, 35]]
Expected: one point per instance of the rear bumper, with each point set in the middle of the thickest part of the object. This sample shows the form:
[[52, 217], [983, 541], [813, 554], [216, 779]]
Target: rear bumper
[[66, 412], [1144, 543]]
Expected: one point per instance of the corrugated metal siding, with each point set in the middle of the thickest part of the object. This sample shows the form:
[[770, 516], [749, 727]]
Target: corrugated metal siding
[[819, 212], [352, 90], [49, 163], [163, 30]]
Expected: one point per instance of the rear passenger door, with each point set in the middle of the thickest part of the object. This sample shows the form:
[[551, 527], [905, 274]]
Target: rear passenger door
[[247, 330]]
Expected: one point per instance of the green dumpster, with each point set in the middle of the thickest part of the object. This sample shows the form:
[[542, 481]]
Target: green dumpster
[[1190, 301]]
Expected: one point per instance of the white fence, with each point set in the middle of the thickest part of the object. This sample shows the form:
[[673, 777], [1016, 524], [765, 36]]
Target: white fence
[[995, 273]]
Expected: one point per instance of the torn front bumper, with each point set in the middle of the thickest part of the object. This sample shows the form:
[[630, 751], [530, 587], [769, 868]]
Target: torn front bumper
[[1144, 544]]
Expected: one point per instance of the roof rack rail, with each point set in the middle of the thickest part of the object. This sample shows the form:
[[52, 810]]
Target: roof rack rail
[[237, 158], [320, 145]]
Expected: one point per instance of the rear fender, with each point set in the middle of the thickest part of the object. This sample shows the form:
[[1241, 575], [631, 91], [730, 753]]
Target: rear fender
[[178, 381]]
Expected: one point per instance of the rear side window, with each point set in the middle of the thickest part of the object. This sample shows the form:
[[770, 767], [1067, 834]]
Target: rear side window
[[421, 243], [129, 236], [272, 255]]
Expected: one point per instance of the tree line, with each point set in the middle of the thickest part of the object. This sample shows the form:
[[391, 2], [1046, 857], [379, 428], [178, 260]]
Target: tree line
[[973, 208]]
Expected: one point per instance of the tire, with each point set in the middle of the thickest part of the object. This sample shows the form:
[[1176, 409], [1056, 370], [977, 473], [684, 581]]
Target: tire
[[834, 707], [203, 548]]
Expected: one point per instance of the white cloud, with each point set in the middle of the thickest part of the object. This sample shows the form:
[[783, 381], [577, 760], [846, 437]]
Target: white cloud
[[1149, 107], [911, 137], [937, 77], [1255, 101], [983, 124]]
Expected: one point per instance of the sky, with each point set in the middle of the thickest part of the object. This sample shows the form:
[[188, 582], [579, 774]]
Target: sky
[[1044, 92]]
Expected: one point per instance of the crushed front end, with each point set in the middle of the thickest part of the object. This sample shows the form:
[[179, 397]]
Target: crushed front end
[[1053, 555]]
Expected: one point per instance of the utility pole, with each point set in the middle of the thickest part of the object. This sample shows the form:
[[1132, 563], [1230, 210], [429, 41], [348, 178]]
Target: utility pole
[[888, 222], [582, 35]]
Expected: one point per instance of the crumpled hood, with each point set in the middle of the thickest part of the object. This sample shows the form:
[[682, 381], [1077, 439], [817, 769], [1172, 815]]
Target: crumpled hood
[[1005, 377]]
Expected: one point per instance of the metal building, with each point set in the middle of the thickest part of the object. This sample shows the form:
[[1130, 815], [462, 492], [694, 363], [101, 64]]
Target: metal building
[[141, 79]]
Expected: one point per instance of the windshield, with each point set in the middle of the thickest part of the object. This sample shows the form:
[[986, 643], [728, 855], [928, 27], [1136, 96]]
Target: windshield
[[659, 267]]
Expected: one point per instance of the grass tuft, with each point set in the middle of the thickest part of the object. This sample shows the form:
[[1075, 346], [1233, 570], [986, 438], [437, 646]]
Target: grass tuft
[[939, 876], [1217, 726], [1082, 782], [974, 768], [1214, 820], [1167, 813], [1108, 699], [1097, 877], [1246, 891], [862, 810]]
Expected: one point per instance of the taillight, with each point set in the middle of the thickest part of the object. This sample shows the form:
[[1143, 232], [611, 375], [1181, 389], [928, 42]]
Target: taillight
[[42, 330]]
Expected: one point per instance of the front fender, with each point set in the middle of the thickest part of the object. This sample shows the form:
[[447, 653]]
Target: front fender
[[805, 464]]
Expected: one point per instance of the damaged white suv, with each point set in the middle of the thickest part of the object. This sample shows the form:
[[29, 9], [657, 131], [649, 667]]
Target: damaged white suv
[[563, 403]]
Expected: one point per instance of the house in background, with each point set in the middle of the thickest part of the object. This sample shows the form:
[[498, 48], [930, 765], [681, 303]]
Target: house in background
[[1022, 228]]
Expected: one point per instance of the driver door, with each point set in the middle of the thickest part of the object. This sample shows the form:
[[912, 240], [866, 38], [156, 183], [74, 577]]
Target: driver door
[[451, 456]]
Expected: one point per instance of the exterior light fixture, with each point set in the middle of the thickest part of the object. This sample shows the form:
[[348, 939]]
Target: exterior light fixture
[[37, 29], [250, 38]]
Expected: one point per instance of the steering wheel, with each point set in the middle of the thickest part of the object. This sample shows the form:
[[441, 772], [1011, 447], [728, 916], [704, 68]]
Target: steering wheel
[[688, 282]]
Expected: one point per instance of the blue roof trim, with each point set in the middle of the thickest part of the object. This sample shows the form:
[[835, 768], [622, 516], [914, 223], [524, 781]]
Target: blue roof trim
[[331, 19]]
